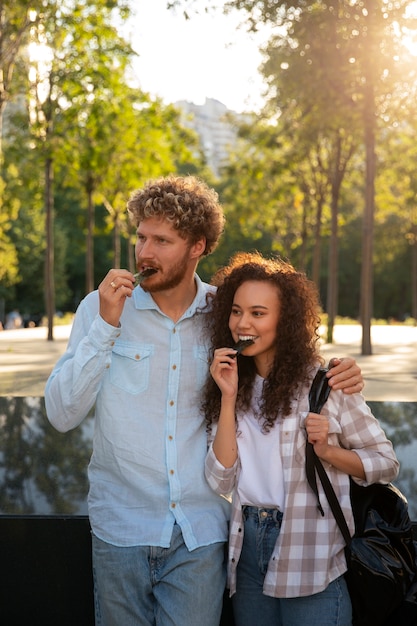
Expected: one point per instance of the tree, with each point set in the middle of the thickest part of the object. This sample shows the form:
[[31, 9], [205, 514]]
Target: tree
[[151, 143], [344, 151], [68, 33], [15, 21], [363, 66], [95, 136], [258, 187], [396, 198]]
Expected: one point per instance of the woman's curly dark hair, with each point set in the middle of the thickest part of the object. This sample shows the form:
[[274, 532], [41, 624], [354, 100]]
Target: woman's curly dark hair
[[186, 202], [297, 349]]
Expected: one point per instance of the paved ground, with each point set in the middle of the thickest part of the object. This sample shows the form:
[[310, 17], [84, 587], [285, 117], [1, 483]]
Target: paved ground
[[391, 371], [27, 358]]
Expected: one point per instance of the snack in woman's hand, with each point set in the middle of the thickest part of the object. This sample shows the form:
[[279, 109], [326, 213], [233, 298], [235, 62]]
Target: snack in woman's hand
[[241, 345]]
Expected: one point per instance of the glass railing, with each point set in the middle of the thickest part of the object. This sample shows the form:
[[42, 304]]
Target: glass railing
[[45, 539], [44, 472]]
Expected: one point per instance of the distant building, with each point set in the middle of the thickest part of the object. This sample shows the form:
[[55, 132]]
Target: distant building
[[217, 134]]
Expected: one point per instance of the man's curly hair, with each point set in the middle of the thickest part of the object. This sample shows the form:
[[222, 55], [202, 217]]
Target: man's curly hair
[[297, 338], [187, 203]]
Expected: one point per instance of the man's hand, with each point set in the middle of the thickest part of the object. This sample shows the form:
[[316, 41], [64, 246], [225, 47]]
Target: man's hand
[[345, 374], [113, 291]]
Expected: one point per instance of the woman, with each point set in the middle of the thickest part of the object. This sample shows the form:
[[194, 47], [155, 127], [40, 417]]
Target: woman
[[286, 562]]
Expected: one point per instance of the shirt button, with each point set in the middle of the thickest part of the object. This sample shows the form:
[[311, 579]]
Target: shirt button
[[137, 357], [171, 471], [174, 367], [174, 330], [170, 437], [173, 505], [171, 403], [112, 343], [107, 366]]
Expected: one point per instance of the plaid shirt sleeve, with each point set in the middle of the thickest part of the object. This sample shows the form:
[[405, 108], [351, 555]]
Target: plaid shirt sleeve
[[360, 431], [221, 479]]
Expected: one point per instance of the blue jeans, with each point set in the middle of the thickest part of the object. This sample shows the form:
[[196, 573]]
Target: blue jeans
[[330, 607], [152, 586]]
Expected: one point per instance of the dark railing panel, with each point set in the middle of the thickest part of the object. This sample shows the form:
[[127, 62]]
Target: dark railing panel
[[46, 574]]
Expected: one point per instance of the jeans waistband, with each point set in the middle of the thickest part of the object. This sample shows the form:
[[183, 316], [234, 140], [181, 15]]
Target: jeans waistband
[[261, 513]]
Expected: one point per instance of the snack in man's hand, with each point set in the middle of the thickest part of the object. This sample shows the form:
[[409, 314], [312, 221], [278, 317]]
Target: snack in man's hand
[[141, 276]]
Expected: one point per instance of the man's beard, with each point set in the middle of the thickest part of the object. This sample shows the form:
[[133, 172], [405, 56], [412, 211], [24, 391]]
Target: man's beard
[[170, 279]]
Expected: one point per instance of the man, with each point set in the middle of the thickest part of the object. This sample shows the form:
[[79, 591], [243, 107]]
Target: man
[[139, 357]]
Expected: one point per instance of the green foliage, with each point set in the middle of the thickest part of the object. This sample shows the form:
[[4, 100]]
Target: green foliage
[[103, 136], [292, 165], [8, 253]]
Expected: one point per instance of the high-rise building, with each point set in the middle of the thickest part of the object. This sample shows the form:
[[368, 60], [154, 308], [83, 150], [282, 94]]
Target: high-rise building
[[217, 133]]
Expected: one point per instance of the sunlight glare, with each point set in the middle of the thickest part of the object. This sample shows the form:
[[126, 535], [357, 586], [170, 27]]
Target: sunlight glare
[[39, 53], [40, 59], [409, 37]]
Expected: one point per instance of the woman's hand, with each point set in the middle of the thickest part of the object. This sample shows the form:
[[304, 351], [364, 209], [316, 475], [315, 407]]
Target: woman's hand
[[347, 461], [317, 427], [224, 371]]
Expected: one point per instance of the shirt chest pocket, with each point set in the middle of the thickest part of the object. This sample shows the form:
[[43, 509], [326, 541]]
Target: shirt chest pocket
[[130, 367]]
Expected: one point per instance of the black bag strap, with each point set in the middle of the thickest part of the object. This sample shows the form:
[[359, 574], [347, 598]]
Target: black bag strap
[[332, 499], [318, 395], [319, 391]]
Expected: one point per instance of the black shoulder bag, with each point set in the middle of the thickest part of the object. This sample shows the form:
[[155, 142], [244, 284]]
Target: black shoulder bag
[[381, 555]]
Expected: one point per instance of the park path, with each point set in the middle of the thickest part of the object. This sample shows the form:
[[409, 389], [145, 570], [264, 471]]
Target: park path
[[27, 358]]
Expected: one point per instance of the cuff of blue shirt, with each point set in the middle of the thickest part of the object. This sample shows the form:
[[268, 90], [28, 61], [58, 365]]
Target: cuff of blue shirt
[[103, 335]]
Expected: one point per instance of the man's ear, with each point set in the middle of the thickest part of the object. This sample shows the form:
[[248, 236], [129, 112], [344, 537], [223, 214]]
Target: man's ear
[[197, 249]]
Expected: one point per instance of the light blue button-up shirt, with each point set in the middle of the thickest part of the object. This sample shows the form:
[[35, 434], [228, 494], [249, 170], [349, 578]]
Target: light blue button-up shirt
[[144, 382]]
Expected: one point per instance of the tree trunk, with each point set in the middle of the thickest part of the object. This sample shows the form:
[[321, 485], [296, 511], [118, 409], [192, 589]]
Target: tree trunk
[[367, 239], [369, 117], [2, 109], [116, 241], [315, 272], [414, 273], [332, 279], [49, 260], [302, 265], [339, 168], [89, 261], [131, 261]]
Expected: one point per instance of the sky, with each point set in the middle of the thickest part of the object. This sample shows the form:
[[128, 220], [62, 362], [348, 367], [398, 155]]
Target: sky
[[204, 57], [207, 56]]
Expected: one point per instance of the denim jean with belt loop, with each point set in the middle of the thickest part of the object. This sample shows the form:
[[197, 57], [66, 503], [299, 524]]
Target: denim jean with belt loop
[[330, 607]]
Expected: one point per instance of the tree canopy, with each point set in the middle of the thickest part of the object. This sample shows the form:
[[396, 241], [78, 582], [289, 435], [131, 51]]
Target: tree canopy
[[324, 175]]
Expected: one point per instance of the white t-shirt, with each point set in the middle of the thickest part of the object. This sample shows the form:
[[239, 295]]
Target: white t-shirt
[[261, 481]]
